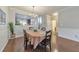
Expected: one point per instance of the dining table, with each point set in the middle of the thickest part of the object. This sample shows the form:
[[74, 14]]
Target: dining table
[[35, 37]]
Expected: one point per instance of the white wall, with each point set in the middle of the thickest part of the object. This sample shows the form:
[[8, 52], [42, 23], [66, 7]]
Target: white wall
[[4, 30], [68, 23], [69, 17], [69, 33]]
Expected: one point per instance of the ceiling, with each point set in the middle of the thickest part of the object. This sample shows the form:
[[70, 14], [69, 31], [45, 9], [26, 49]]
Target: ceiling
[[41, 10]]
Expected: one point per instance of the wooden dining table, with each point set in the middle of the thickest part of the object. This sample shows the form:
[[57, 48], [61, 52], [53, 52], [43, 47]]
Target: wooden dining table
[[35, 37]]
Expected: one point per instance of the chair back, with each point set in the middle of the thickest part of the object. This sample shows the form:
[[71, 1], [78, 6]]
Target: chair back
[[25, 34], [48, 34], [47, 39], [43, 29], [46, 42]]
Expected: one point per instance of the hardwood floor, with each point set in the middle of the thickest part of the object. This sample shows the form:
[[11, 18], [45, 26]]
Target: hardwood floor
[[16, 45], [67, 45], [63, 44]]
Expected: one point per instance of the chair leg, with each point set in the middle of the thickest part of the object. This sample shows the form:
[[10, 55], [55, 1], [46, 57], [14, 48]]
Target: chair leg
[[25, 44]]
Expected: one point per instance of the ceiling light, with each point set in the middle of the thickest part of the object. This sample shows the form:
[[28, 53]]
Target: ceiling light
[[33, 13]]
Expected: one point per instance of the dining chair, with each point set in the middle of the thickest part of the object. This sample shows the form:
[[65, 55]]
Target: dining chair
[[25, 39], [27, 42], [42, 46], [43, 28]]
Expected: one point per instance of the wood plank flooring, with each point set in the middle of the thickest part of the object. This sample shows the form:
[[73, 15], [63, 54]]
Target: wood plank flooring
[[16, 45], [63, 44], [67, 45]]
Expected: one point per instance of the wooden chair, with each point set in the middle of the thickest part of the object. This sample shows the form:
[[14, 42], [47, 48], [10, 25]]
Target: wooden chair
[[42, 46], [27, 42], [25, 39], [43, 29]]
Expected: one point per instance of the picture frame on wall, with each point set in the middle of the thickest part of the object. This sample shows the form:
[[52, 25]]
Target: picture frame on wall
[[2, 17], [21, 19]]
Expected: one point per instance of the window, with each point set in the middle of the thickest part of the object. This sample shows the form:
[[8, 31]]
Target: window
[[39, 21], [2, 17], [22, 19]]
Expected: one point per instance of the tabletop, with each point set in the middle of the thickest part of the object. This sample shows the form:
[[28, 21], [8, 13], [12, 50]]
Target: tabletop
[[36, 34]]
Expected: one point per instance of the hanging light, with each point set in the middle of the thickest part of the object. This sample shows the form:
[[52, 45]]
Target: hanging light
[[33, 13]]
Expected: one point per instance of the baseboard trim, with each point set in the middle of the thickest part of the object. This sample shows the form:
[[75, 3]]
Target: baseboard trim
[[4, 45], [17, 36]]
